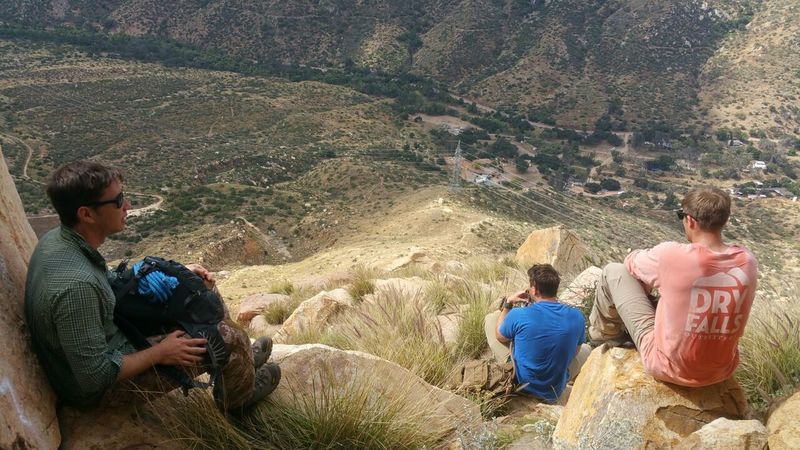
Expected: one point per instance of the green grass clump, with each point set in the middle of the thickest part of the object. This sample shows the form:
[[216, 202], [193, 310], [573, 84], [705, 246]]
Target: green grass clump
[[362, 283], [331, 416], [282, 287], [487, 271], [471, 338], [438, 296], [350, 416], [770, 352]]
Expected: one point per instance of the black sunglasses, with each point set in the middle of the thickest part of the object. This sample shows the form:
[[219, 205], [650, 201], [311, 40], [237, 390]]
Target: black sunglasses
[[681, 214], [118, 201]]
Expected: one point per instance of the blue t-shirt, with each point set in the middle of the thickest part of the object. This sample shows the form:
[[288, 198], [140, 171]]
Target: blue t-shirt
[[546, 336]]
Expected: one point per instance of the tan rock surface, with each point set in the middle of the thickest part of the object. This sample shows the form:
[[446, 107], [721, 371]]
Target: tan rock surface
[[784, 431], [306, 368], [314, 313], [260, 327], [615, 404], [407, 287], [582, 286], [557, 246], [28, 418], [724, 434]]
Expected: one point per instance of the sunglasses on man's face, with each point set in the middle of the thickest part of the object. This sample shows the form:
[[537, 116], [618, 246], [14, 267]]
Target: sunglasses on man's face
[[681, 214], [118, 201]]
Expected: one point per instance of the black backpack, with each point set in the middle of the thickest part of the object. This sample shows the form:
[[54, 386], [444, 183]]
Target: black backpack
[[191, 307]]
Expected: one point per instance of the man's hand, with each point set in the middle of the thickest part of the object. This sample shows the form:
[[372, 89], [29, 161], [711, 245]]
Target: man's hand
[[176, 350], [519, 297], [173, 350], [202, 272]]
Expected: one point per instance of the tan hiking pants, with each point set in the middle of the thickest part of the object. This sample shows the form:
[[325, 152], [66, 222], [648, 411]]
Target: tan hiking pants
[[620, 304], [502, 353]]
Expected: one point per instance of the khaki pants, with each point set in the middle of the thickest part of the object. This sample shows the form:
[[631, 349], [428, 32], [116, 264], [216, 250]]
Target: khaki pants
[[233, 388], [502, 353], [620, 304]]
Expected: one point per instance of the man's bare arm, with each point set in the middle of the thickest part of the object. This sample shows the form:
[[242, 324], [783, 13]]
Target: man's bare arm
[[172, 351], [502, 339]]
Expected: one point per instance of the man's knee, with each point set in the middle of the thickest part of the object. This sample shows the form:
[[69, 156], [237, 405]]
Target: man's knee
[[614, 270]]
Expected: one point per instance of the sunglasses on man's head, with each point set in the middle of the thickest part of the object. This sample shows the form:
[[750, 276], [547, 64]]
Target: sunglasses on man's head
[[118, 201], [680, 214]]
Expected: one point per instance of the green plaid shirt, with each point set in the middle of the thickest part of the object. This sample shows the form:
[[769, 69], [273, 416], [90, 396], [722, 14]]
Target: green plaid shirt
[[69, 308]]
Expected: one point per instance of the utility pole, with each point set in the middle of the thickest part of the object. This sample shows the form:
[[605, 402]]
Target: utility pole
[[455, 181]]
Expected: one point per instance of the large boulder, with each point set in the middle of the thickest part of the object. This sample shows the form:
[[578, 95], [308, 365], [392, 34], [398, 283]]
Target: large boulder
[[308, 368], [784, 432], [407, 287], [557, 246], [314, 313], [28, 419], [725, 434], [582, 287], [615, 404], [256, 304]]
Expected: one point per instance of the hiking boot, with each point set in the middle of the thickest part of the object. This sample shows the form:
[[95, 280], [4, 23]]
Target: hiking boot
[[267, 378], [262, 348]]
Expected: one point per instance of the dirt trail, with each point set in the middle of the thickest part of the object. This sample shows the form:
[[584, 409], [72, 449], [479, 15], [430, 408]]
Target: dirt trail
[[11, 137]]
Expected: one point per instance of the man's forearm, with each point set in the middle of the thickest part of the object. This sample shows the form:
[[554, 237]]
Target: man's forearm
[[502, 339], [135, 363]]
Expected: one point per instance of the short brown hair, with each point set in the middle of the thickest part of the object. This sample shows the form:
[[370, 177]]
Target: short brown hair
[[545, 279], [77, 184], [709, 206]]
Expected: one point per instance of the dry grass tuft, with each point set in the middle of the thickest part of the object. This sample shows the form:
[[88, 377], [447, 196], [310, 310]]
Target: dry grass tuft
[[770, 351]]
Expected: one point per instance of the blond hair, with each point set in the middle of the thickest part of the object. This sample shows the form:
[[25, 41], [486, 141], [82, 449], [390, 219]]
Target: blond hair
[[709, 206]]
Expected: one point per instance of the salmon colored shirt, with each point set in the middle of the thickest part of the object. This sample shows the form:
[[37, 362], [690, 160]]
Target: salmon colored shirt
[[705, 302]]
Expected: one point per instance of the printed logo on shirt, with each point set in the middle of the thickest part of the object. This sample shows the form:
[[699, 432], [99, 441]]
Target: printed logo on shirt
[[716, 304]]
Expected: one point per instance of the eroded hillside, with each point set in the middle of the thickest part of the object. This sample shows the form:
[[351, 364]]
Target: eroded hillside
[[562, 60]]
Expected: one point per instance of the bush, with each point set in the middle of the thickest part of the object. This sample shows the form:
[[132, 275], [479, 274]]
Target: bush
[[592, 188], [610, 184]]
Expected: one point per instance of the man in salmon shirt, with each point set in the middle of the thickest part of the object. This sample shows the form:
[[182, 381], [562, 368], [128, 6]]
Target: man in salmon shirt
[[690, 336]]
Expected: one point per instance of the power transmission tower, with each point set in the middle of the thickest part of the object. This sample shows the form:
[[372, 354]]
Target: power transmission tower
[[455, 181]]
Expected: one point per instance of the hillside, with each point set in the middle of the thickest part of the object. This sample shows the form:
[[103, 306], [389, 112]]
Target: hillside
[[251, 170], [563, 60]]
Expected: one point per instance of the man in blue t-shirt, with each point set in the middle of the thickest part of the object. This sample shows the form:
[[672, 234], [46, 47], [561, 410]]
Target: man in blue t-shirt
[[546, 337]]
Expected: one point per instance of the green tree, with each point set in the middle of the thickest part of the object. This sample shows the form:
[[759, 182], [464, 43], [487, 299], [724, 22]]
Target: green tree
[[502, 148], [670, 201], [610, 184], [521, 165], [592, 188]]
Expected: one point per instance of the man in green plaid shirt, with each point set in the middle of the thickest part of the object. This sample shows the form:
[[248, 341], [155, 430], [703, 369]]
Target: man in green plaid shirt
[[69, 307]]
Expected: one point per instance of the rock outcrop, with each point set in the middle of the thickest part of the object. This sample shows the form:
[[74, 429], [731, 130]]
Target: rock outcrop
[[314, 313], [557, 246], [407, 287], [256, 304], [28, 418], [724, 434], [581, 287], [308, 368], [416, 255], [784, 433], [615, 404]]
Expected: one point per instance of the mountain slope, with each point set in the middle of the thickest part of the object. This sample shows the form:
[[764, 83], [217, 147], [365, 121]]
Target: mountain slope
[[563, 59]]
